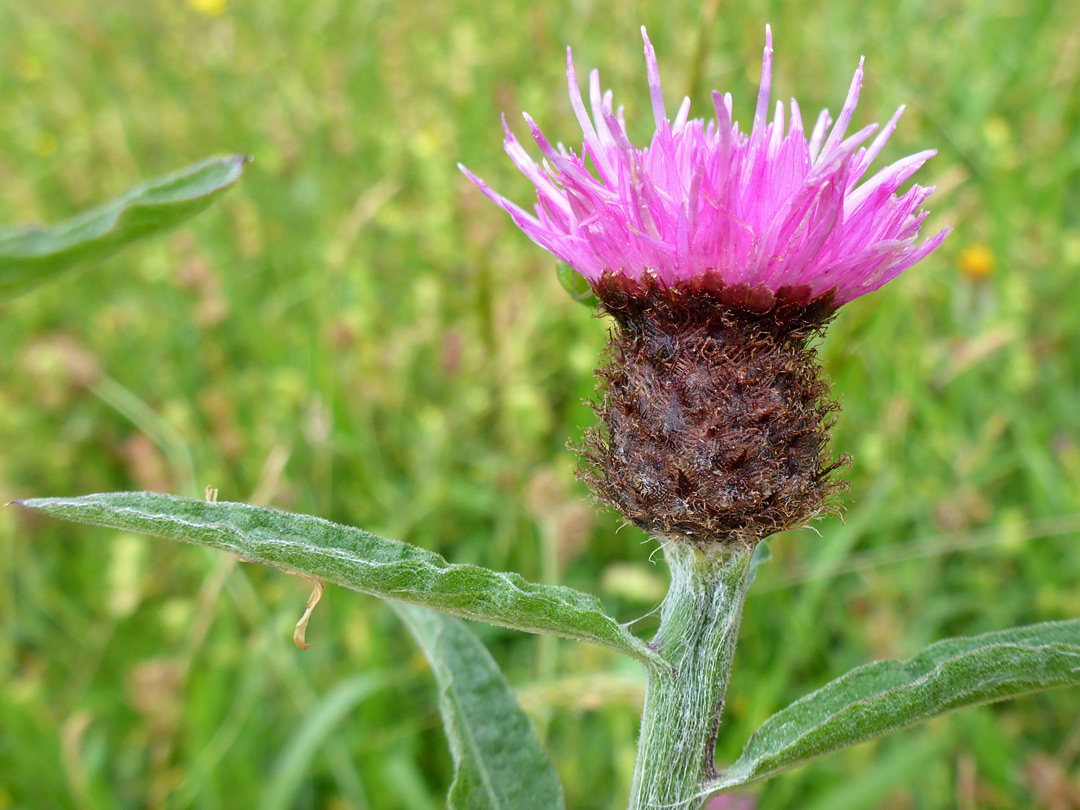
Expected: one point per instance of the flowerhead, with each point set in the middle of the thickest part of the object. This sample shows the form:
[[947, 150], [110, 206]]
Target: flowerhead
[[722, 256], [769, 211]]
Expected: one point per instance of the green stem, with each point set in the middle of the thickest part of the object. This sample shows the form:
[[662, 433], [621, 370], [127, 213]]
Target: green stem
[[699, 625]]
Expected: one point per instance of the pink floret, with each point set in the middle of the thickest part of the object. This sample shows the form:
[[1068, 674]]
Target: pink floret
[[769, 209]]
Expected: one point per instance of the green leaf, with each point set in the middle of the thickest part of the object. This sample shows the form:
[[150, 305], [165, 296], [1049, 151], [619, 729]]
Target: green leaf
[[762, 555], [498, 762], [889, 695], [30, 257], [576, 286], [358, 560]]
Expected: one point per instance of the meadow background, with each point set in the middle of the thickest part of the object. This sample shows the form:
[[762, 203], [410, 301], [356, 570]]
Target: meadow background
[[354, 332]]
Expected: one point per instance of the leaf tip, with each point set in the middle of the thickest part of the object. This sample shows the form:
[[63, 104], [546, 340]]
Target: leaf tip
[[32, 504], [235, 165]]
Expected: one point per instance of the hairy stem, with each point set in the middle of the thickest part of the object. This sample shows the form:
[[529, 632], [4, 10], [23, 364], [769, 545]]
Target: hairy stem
[[699, 625]]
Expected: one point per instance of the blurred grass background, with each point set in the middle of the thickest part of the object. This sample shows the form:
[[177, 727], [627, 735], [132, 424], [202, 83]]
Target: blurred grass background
[[354, 332]]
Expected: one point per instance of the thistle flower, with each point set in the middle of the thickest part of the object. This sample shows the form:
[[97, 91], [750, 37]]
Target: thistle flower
[[721, 255]]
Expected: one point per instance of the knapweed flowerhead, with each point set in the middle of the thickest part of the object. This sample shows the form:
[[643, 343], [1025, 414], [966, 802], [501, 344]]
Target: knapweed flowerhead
[[721, 256]]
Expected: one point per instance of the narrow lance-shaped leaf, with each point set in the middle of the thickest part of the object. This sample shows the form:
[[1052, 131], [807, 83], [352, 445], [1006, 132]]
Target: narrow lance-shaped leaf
[[358, 560], [30, 257], [889, 695], [498, 761]]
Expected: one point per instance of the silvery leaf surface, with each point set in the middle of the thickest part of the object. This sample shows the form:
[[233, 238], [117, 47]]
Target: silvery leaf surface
[[359, 560], [885, 696]]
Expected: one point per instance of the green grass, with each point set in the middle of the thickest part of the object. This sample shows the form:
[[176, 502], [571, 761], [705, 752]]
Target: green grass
[[354, 332]]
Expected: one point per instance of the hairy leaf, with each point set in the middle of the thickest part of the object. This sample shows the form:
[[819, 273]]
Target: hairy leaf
[[498, 762], [358, 560], [889, 695], [30, 257]]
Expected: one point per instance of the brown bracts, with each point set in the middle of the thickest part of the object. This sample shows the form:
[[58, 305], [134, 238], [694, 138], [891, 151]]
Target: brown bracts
[[713, 411]]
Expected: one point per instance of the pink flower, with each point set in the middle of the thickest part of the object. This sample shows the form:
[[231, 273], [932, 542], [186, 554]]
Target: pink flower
[[764, 211]]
